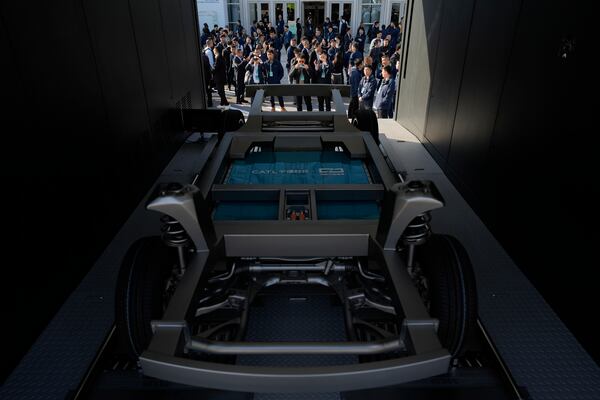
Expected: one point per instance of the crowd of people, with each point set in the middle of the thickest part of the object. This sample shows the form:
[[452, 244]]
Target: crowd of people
[[327, 54]]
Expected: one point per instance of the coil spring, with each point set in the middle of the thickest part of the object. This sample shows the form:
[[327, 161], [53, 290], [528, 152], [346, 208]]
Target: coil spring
[[418, 230], [172, 233]]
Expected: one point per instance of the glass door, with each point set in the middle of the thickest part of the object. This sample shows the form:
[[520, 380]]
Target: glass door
[[398, 11], [370, 13], [291, 12], [264, 13], [338, 10]]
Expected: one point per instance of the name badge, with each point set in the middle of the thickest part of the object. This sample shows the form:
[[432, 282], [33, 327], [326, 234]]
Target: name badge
[[271, 74]]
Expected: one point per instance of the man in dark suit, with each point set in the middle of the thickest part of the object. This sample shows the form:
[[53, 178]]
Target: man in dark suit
[[290, 53], [257, 71], [355, 79], [220, 75], [280, 25], [207, 79], [239, 65], [322, 74], [366, 89], [287, 37], [384, 97], [299, 74], [274, 71]]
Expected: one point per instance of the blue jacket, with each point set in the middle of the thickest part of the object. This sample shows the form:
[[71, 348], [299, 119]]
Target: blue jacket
[[308, 30], [329, 35], [355, 79], [384, 97], [355, 56], [347, 60], [366, 90], [379, 76], [290, 56], [332, 52], [347, 41], [280, 25], [275, 69], [395, 33], [287, 37]]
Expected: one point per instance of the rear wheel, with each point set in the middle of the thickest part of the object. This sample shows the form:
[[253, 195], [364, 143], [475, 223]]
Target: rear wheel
[[366, 120], [140, 296], [232, 121], [451, 290]]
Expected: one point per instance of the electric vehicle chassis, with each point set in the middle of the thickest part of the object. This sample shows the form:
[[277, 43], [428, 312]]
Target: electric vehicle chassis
[[295, 206]]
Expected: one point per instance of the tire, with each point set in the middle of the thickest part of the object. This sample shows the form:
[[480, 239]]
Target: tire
[[140, 288], [232, 121], [452, 292], [366, 120]]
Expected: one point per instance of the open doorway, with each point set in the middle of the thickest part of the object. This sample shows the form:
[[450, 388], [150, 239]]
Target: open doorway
[[316, 10], [341, 9]]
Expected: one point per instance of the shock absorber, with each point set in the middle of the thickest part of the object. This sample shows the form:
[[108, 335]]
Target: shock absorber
[[416, 233], [172, 232], [173, 235]]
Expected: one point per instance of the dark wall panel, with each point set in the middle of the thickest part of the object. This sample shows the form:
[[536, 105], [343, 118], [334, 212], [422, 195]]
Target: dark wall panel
[[540, 138], [13, 93], [113, 40], [447, 72], [520, 148], [492, 33], [176, 51], [86, 86], [151, 46], [56, 63], [192, 46], [419, 61]]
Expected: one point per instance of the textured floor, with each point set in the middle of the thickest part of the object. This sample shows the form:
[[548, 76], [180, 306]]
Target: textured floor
[[282, 319], [544, 358]]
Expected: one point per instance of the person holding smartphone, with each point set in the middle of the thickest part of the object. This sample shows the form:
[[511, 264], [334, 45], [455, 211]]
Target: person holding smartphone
[[257, 72], [300, 75], [322, 74]]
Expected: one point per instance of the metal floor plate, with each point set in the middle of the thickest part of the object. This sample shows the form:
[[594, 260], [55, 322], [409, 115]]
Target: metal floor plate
[[280, 318]]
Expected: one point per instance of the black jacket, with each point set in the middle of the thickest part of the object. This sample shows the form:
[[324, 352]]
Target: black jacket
[[276, 69], [220, 72], [261, 73], [239, 66], [297, 73], [323, 74]]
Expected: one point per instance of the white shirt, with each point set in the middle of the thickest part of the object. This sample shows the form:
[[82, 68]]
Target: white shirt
[[211, 57]]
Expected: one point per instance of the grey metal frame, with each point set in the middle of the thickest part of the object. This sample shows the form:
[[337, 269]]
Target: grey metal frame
[[165, 357]]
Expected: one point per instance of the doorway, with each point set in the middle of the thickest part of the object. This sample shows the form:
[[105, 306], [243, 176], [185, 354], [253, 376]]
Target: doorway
[[316, 10], [341, 9]]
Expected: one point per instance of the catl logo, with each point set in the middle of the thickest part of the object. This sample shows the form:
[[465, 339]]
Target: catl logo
[[331, 171], [278, 171]]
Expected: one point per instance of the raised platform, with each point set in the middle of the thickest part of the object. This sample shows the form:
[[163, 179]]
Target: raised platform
[[544, 359]]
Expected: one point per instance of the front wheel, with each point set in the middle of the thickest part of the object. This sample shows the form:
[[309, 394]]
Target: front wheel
[[445, 264], [140, 296]]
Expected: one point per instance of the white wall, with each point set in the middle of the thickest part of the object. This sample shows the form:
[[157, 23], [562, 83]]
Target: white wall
[[212, 12]]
